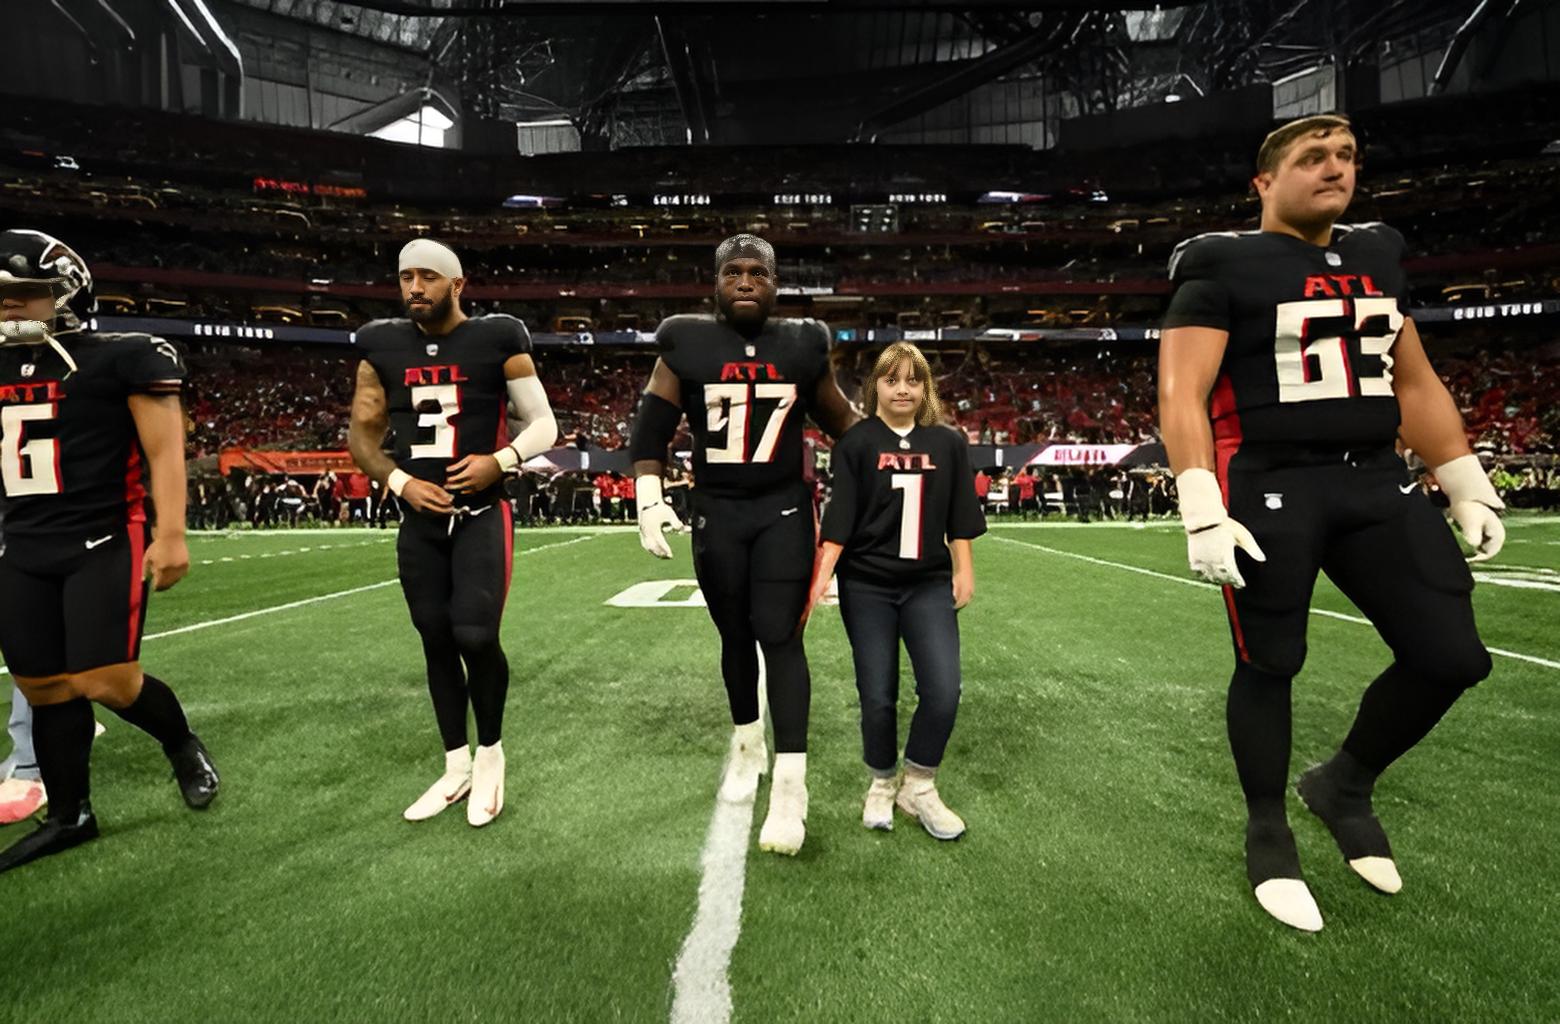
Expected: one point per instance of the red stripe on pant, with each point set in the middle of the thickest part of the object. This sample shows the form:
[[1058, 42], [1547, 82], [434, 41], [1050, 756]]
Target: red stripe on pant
[[137, 588]]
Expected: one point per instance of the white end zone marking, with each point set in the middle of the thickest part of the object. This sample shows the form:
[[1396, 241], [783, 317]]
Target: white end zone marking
[[701, 992], [1531, 659]]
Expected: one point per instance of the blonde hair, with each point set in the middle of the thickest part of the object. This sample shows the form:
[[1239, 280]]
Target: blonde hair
[[930, 413], [1278, 143]]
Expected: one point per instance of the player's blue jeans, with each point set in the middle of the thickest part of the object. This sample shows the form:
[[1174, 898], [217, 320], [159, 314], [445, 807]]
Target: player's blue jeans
[[876, 617], [22, 764]]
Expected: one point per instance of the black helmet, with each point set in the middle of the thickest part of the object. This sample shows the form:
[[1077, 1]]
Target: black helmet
[[32, 257]]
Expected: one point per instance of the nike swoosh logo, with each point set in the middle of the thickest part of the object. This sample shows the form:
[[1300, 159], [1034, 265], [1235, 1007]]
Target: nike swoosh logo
[[101, 540], [788, 511], [1408, 488]]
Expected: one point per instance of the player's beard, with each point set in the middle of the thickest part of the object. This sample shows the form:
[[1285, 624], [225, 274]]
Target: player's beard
[[431, 313], [746, 321]]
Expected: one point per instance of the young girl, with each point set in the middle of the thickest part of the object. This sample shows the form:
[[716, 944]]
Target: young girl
[[898, 525]]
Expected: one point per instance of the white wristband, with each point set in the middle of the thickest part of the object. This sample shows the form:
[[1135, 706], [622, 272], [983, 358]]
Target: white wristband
[[397, 481], [507, 458]]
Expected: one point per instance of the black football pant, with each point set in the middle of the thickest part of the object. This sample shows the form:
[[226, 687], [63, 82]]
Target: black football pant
[[1355, 516], [754, 561], [875, 617], [455, 578]]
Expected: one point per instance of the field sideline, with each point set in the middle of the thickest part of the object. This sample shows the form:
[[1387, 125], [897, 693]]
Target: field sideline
[[1101, 878]]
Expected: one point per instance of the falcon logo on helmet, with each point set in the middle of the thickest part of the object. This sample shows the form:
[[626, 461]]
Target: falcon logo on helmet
[[32, 257]]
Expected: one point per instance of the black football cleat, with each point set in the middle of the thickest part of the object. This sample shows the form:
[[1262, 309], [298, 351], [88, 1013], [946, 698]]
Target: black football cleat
[[196, 774], [59, 832]]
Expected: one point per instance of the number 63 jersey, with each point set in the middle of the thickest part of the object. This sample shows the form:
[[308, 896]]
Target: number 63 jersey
[[1311, 330], [70, 458], [446, 395], [745, 399]]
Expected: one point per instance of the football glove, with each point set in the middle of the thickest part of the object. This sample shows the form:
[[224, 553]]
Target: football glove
[[1475, 505], [1211, 535], [654, 516]]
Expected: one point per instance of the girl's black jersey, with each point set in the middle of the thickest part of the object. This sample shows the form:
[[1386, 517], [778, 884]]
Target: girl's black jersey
[[895, 502], [745, 399], [446, 395], [1311, 330], [70, 458]]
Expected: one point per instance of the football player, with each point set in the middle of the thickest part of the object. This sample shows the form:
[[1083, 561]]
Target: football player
[[448, 385], [899, 523], [89, 422], [1289, 370], [746, 381]]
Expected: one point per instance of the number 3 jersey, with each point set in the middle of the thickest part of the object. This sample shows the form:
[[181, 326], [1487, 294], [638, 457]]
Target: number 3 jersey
[[446, 395], [1311, 330], [70, 459], [896, 501], [745, 399]]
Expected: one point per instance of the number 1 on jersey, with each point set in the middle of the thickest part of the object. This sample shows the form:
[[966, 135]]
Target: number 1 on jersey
[[909, 512], [41, 455], [729, 407]]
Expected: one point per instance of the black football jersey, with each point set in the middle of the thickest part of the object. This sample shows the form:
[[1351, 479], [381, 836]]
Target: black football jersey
[[896, 501], [446, 395], [1311, 330], [70, 459], [745, 399]]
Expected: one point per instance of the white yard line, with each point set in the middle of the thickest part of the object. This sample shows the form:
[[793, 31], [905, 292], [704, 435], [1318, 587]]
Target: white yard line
[[1531, 659]]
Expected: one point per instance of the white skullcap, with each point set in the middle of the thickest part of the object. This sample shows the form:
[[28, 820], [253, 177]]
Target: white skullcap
[[426, 254]]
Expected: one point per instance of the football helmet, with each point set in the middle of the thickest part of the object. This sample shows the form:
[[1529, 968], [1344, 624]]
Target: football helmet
[[32, 257]]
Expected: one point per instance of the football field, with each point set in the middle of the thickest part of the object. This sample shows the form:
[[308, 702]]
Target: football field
[[1101, 879]]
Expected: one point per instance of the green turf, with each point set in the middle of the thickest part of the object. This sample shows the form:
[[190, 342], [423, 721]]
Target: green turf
[[1101, 877]]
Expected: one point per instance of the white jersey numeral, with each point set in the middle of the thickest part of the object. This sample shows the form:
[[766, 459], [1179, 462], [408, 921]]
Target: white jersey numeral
[[730, 408], [1296, 351], [909, 512], [446, 397], [32, 467]]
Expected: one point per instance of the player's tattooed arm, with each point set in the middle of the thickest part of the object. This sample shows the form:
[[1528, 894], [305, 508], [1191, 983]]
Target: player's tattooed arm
[[366, 437], [159, 426]]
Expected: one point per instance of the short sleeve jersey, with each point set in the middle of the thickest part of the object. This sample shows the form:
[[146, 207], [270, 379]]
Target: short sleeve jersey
[[446, 395], [745, 399], [70, 458], [896, 501], [1311, 330]]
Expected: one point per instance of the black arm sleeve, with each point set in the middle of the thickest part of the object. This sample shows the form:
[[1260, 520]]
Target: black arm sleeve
[[655, 424]]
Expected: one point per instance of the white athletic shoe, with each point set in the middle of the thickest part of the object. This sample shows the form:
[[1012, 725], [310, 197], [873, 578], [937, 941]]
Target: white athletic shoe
[[879, 809], [452, 786], [487, 785], [918, 798], [785, 826], [1290, 900], [748, 759]]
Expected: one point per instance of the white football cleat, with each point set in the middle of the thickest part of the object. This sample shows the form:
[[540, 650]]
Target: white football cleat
[[785, 826], [487, 785], [879, 810], [1289, 900], [452, 786], [918, 798], [748, 759], [1380, 872]]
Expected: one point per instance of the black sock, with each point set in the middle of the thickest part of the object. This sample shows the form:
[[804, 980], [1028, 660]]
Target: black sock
[[739, 671], [1257, 715], [62, 736], [790, 694], [487, 675], [447, 687], [1396, 712], [157, 712]]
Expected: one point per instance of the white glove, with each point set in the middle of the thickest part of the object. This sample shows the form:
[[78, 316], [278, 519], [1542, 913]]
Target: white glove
[[1211, 535], [654, 516], [1474, 505]]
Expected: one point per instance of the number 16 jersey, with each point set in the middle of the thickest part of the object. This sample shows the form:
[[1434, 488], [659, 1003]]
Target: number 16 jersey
[[1311, 330], [745, 399]]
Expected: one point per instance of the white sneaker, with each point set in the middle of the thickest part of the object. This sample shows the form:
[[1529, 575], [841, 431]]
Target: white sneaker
[[785, 826], [487, 785], [879, 809], [748, 759], [918, 798], [452, 786]]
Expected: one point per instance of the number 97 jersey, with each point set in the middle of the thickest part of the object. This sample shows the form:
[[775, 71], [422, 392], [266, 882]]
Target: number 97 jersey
[[745, 399], [1311, 330]]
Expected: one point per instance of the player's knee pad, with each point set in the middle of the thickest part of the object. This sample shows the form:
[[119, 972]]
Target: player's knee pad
[[476, 639], [777, 613], [1452, 668], [1248, 675]]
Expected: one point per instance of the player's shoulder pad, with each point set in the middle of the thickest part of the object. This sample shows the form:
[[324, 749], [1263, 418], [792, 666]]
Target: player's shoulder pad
[[1201, 255], [1385, 235], [815, 330], [377, 331], [513, 324], [678, 328]]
